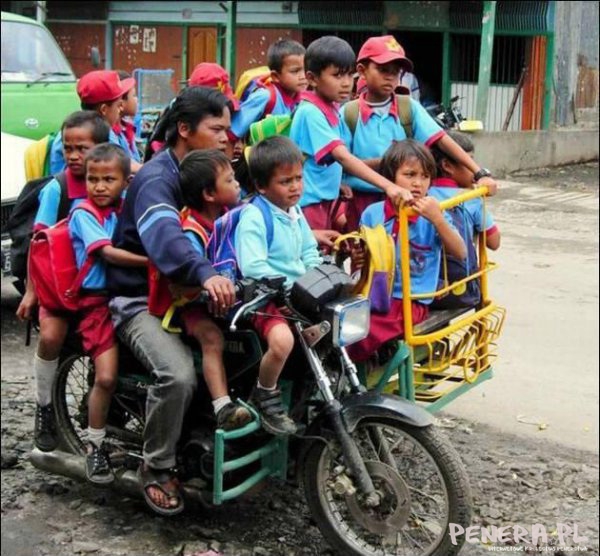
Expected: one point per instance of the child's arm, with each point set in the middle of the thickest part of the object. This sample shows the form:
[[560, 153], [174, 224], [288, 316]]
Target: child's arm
[[120, 257], [355, 166], [429, 208], [310, 249], [29, 301], [455, 151], [492, 239]]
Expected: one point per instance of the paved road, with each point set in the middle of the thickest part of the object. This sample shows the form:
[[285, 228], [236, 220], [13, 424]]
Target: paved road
[[548, 281]]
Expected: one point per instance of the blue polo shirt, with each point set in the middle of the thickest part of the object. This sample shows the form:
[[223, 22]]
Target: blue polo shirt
[[375, 132], [425, 249], [254, 107], [49, 202], [89, 235], [57, 156], [317, 129], [476, 220]]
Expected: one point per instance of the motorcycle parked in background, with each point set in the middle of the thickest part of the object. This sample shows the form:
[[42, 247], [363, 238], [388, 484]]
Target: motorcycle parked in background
[[452, 118]]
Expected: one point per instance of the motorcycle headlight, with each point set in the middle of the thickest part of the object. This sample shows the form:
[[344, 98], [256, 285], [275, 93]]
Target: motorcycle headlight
[[350, 320]]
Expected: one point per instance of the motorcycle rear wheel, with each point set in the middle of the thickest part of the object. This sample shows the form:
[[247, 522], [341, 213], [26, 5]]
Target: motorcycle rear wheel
[[74, 380], [423, 488]]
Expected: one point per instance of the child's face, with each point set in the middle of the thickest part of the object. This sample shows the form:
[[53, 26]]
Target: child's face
[[412, 176], [381, 79], [104, 182], [285, 186], [77, 141], [130, 103], [111, 111], [210, 133], [227, 189], [332, 84], [292, 77], [459, 173], [234, 149]]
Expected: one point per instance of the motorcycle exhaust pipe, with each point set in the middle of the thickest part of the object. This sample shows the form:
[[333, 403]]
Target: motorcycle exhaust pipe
[[126, 481]]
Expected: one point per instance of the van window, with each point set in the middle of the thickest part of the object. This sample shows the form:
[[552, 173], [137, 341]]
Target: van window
[[29, 53]]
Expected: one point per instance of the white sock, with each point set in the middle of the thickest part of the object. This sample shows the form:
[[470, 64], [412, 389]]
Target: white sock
[[44, 372], [96, 436], [265, 388], [220, 403]]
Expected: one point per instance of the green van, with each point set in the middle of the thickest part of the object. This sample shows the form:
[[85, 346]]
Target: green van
[[38, 84]]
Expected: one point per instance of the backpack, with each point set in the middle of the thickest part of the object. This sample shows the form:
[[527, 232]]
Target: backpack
[[256, 78], [453, 270], [160, 299], [221, 247], [52, 265], [404, 113], [37, 157], [269, 127], [20, 223], [376, 281]]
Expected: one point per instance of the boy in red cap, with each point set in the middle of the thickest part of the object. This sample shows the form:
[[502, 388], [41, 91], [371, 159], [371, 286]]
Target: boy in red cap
[[102, 92], [376, 119], [125, 128]]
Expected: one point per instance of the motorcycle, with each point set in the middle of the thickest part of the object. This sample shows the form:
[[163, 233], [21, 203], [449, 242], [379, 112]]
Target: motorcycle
[[378, 477], [452, 118]]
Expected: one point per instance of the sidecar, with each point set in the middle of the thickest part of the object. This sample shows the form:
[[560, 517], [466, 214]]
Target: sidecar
[[453, 350]]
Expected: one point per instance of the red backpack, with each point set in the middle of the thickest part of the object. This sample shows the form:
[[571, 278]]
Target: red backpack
[[53, 268], [159, 294]]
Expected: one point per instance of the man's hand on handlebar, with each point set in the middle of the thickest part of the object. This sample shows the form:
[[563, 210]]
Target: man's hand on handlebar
[[222, 295]]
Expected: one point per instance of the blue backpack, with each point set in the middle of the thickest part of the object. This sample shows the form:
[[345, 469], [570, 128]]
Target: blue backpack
[[469, 295], [221, 246]]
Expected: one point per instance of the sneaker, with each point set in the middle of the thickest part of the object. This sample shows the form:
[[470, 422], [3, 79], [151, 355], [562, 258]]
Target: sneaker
[[44, 431], [233, 416], [273, 414], [97, 465]]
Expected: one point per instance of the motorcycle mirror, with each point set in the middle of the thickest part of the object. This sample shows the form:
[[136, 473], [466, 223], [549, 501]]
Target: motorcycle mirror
[[454, 99]]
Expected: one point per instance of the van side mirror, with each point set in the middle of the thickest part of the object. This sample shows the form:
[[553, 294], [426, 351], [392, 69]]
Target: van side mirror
[[95, 56]]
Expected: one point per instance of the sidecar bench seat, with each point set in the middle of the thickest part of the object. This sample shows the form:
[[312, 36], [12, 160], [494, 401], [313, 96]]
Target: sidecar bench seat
[[438, 319]]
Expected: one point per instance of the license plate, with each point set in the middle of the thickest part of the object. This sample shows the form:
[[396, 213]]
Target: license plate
[[6, 266]]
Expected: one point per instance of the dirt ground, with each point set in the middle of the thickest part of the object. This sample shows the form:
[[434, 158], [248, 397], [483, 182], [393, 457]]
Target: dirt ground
[[519, 474]]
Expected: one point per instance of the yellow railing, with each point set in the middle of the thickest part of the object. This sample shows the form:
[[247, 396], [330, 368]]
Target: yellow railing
[[463, 348]]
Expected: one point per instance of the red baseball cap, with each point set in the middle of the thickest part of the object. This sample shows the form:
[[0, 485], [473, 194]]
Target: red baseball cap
[[209, 74], [100, 86], [382, 50]]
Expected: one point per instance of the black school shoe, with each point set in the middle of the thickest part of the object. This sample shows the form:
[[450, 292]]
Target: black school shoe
[[97, 465], [44, 429], [233, 416], [273, 414]]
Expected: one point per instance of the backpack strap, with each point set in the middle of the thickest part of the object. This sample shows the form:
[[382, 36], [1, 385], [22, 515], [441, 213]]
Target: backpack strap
[[190, 224], [272, 99], [89, 261], [261, 205], [405, 114], [64, 204], [351, 115]]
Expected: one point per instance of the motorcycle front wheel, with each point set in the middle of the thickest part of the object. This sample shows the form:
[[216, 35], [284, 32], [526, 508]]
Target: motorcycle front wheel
[[422, 488]]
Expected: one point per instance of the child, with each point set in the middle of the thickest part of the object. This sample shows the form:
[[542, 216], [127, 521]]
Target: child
[[411, 166], [102, 92], [276, 168], [469, 219], [81, 132], [208, 187], [107, 174], [322, 135], [125, 128], [285, 59], [380, 63]]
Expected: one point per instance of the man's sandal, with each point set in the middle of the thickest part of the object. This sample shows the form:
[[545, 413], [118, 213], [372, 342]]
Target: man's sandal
[[158, 479]]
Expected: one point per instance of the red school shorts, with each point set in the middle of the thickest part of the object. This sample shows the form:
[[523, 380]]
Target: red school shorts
[[356, 206], [320, 215], [270, 316], [385, 327]]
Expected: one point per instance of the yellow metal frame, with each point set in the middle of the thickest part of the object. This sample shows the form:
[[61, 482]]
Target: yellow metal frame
[[464, 349]]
